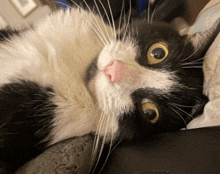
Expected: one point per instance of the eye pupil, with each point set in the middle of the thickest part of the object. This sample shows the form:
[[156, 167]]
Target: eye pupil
[[151, 114], [158, 53]]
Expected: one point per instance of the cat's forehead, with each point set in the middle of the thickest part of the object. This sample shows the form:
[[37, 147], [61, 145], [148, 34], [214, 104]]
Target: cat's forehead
[[143, 30]]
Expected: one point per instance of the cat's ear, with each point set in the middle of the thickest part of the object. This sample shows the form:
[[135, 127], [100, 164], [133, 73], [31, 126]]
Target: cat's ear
[[201, 41], [199, 107]]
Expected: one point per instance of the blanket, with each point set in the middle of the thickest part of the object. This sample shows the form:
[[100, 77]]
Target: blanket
[[211, 68]]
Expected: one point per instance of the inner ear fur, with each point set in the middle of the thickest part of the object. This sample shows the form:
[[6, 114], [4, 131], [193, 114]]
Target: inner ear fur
[[199, 107], [201, 41]]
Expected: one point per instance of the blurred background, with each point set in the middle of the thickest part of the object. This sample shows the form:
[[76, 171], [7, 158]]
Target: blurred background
[[18, 13]]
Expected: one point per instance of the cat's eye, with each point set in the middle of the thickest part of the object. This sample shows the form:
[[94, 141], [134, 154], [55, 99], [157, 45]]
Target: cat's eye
[[151, 112], [157, 52]]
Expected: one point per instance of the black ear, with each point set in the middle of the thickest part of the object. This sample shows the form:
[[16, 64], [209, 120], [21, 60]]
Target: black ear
[[164, 10], [199, 107], [201, 41]]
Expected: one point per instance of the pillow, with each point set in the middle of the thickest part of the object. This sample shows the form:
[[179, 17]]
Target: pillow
[[72, 156]]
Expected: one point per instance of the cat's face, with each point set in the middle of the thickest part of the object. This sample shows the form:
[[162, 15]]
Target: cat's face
[[147, 80]]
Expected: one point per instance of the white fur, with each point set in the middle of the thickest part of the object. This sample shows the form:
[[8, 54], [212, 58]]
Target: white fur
[[55, 53]]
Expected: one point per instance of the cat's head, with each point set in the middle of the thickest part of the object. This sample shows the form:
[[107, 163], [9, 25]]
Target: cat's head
[[149, 79]]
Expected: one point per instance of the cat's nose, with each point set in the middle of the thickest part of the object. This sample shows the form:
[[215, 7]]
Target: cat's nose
[[118, 70]]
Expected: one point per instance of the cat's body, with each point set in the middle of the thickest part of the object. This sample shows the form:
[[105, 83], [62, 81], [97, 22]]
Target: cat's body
[[71, 74]]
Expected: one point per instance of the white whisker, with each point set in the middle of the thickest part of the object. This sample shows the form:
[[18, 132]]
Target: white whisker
[[182, 110], [178, 115], [109, 22], [103, 143], [182, 105], [148, 12], [152, 16], [127, 25], [181, 52], [194, 62], [113, 23], [120, 18], [188, 67], [97, 134], [110, 147], [192, 54], [109, 153], [97, 27]]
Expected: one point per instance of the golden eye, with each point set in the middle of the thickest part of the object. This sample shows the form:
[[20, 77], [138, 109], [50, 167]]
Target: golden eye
[[157, 52], [151, 111]]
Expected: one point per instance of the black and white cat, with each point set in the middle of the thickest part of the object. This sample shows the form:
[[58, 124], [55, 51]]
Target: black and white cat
[[73, 74]]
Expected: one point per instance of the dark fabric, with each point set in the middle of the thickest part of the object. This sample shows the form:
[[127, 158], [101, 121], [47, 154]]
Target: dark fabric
[[186, 152]]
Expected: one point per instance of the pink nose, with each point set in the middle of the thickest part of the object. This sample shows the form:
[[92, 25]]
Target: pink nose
[[119, 70]]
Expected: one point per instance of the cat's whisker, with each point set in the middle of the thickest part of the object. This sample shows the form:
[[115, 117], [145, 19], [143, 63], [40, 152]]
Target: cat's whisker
[[96, 143], [110, 147], [188, 67], [103, 142], [120, 18], [124, 25], [182, 105], [96, 139], [179, 115], [98, 25], [181, 110], [181, 52], [97, 28], [112, 18], [109, 21], [97, 134], [128, 21], [196, 65], [193, 53], [95, 154], [195, 61], [148, 12], [152, 16]]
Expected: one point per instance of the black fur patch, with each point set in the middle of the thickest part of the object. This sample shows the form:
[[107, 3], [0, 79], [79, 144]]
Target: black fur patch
[[91, 71], [25, 121], [6, 34], [165, 11]]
